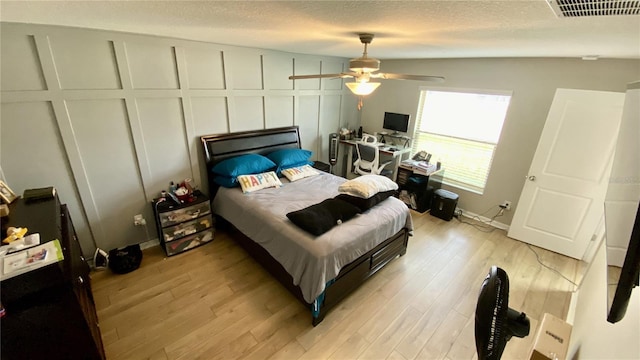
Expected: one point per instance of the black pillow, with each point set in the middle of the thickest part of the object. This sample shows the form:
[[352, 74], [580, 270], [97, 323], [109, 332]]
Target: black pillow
[[366, 204], [320, 218]]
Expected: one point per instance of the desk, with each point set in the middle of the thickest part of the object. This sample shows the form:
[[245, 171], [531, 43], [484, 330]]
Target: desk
[[416, 188], [397, 157], [406, 141]]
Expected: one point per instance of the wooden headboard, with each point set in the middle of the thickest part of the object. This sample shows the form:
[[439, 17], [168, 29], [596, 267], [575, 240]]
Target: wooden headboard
[[219, 147]]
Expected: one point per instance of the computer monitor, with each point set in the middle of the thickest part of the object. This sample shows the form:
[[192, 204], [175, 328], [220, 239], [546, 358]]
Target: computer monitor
[[396, 122]]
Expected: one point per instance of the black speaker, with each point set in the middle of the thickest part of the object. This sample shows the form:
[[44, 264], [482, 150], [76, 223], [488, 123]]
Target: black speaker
[[333, 149]]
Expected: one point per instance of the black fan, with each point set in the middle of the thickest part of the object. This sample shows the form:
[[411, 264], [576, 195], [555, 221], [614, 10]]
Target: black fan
[[496, 323]]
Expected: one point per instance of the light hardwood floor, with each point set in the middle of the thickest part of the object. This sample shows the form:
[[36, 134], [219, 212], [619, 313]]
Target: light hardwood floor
[[215, 302]]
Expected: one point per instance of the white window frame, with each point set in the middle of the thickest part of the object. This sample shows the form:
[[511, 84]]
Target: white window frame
[[458, 177]]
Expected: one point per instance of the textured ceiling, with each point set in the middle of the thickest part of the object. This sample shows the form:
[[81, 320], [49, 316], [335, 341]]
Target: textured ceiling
[[403, 29]]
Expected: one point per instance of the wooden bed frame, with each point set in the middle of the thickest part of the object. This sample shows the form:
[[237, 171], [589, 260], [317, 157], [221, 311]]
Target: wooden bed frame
[[222, 146]]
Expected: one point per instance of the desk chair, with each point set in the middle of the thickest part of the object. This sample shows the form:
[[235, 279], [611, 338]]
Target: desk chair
[[369, 160], [369, 139]]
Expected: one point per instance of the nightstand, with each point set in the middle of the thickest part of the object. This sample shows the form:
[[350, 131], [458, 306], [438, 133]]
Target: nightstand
[[184, 226], [321, 166]]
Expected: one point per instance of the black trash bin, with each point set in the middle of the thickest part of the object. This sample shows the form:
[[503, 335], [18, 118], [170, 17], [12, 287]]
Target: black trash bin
[[444, 204]]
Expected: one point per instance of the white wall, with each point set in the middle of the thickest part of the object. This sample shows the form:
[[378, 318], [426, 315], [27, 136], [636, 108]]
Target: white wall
[[110, 119], [592, 336], [623, 193], [533, 82]]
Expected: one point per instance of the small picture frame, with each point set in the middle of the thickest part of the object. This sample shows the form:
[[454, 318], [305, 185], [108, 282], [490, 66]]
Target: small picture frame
[[6, 194]]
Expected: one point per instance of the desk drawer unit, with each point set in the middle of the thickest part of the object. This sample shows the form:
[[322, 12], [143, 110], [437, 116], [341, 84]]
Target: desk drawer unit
[[184, 226]]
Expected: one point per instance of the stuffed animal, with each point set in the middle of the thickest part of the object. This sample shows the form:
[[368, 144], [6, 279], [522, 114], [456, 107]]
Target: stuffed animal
[[14, 233]]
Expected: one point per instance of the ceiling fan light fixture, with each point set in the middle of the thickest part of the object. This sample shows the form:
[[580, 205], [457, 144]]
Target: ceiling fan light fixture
[[364, 68], [364, 65], [362, 88]]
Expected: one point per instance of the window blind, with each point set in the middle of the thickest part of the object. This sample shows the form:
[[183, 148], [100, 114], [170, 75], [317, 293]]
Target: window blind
[[461, 130]]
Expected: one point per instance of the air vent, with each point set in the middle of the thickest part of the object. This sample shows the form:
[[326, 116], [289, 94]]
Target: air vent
[[581, 8]]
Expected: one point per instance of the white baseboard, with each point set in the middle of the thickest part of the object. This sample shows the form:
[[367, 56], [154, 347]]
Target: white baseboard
[[571, 313], [495, 224], [150, 243]]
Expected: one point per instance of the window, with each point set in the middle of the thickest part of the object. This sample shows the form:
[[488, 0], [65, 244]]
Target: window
[[461, 129]]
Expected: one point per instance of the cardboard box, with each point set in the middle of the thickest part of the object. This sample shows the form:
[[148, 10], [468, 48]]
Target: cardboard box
[[552, 339]]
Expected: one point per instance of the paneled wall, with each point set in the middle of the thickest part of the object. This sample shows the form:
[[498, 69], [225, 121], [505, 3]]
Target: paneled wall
[[110, 119]]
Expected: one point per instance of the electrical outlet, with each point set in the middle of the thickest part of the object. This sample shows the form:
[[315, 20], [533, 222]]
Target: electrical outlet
[[506, 205], [138, 220]]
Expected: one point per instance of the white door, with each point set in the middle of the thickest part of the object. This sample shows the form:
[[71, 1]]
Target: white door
[[563, 196]]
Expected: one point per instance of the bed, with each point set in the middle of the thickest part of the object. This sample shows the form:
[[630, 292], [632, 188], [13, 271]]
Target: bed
[[318, 270]]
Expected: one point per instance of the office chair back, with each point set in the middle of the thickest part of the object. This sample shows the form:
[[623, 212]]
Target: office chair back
[[369, 160], [369, 139]]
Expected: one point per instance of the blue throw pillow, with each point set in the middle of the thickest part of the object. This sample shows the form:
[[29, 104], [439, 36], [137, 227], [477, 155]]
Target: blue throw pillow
[[226, 181], [243, 165], [287, 158]]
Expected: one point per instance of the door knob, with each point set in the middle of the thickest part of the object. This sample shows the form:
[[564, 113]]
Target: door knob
[[531, 178]]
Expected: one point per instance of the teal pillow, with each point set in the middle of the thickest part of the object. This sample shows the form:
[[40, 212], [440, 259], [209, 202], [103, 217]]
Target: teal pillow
[[286, 157], [243, 165], [226, 181]]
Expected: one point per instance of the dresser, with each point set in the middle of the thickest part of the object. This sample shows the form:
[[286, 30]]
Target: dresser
[[50, 312]]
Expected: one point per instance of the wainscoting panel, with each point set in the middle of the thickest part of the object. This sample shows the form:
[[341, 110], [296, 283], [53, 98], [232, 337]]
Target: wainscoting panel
[[251, 110], [329, 123], [204, 68], [84, 63], [21, 70], [244, 69], [304, 66], [126, 112], [210, 115], [307, 120], [277, 69], [109, 163], [165, 142], [35, 159], [332, 67], [152, 66], [278, 111]]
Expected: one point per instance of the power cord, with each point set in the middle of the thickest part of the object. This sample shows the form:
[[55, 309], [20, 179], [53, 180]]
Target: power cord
[[486, 225], [549, 267]]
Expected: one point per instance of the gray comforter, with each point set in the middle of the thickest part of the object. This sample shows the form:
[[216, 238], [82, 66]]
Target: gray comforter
[[310, 260]]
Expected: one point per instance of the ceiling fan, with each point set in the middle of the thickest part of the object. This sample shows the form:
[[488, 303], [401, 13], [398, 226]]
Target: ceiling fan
[[364, 69]]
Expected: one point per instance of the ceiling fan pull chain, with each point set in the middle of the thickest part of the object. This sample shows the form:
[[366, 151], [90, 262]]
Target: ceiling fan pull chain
[[360, 104]]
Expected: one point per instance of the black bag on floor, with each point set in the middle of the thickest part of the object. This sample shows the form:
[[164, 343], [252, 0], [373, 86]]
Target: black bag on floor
[[124, 260]]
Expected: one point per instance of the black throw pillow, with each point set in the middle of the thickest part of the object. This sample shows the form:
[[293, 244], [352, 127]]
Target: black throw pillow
[[320, 218]]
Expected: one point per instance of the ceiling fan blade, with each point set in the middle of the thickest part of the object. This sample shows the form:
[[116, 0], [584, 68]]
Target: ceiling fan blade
[[321, 76], [408, 77]]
